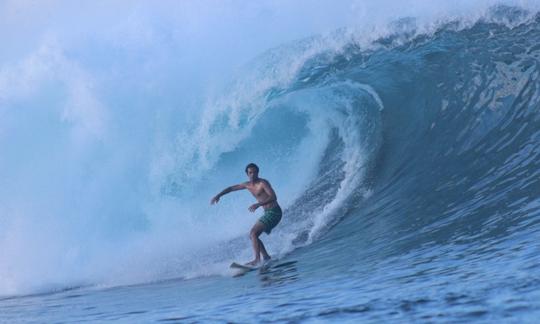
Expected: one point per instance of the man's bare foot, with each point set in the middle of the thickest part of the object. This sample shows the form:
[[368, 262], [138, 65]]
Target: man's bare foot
[[253, 263]]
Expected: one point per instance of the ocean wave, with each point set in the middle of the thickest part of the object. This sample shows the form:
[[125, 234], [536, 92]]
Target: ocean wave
[[425, 133]]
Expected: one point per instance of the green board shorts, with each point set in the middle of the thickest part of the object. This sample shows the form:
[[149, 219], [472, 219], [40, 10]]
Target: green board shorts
[[271, 218]]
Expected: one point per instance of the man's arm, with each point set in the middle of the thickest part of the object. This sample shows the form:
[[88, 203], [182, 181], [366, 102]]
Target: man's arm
[[226, 191]]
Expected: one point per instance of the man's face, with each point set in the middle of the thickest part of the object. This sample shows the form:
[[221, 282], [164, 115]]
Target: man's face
[[252, 174]]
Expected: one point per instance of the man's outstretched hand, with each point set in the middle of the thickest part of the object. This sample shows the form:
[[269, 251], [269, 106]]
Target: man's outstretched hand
[[214, 200]]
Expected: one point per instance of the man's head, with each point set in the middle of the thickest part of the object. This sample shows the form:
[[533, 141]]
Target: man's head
[[252, 171]]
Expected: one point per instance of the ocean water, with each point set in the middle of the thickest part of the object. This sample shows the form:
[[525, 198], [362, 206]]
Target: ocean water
[[403, 141]]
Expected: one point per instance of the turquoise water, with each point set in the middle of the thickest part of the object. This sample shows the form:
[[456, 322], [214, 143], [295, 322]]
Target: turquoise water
[[407, 167]]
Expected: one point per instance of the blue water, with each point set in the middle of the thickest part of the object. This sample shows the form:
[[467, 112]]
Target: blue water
[[407, 164]]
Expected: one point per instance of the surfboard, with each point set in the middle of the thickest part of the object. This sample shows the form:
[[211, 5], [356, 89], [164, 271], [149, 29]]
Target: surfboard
[[236, 265], [245, 267], [264, 267], [242, 269]]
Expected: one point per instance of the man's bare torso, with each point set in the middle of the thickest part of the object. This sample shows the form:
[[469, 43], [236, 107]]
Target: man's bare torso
[[259, 193]]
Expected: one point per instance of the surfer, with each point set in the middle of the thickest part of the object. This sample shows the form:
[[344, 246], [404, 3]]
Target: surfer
[[266, 198]]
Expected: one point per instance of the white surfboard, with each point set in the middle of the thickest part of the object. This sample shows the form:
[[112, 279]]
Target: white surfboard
[[242, 269], [236, 265]]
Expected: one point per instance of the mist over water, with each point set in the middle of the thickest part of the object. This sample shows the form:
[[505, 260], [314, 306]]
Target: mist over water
[[120, 120]]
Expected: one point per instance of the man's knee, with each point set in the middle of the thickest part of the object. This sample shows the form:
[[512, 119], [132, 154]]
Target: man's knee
[[254, 233]]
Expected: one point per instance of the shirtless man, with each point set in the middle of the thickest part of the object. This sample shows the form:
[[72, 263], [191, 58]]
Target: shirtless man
[[266, 197]]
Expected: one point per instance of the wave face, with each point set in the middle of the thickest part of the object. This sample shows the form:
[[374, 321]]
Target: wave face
[[454, 189], [459, 161], [417, 147]]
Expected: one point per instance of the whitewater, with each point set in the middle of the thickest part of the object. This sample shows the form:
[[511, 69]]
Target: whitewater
[[402, 140]]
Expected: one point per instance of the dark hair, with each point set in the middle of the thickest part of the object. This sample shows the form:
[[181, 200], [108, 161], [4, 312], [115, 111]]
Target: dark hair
[[252, 165]]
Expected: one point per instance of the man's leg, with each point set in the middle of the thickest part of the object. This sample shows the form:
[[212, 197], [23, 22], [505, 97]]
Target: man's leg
[[256, 230], [263, 251]]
